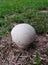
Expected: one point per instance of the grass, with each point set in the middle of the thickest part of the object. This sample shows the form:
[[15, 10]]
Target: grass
[[35, 18], [12, 6], [5, 28]]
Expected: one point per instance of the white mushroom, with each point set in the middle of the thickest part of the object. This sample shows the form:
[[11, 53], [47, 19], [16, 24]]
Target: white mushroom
[[23, 35]]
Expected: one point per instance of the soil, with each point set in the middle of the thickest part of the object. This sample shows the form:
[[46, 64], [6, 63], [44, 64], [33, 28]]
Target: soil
[[11, 55], [44, 11]]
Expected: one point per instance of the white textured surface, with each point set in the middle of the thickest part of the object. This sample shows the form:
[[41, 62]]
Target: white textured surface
[[23, 35]]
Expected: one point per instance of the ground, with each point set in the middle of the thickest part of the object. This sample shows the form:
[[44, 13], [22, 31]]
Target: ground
[[11, 55], [35, 13]]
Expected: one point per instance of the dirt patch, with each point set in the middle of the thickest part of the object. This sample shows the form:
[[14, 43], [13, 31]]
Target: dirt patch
[[44, 11], [11, 55]]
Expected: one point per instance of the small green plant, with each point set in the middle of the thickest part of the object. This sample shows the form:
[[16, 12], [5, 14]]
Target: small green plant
[[37, 59], [46, 26], [39, 27]]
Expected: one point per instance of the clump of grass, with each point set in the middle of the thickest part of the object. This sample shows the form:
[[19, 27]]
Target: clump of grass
[[37, 59], [5, 27], [38, 20]]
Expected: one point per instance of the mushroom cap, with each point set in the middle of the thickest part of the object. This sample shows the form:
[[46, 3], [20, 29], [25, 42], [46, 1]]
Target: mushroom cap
[[23, 35]]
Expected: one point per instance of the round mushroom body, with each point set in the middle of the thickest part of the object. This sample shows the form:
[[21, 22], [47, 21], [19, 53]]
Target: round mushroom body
[[23, 35]]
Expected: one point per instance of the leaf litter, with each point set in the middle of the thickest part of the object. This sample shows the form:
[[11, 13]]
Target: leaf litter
[[11, 55]]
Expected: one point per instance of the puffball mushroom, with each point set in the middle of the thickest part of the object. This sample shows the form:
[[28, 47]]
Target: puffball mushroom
[[23, 35]]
